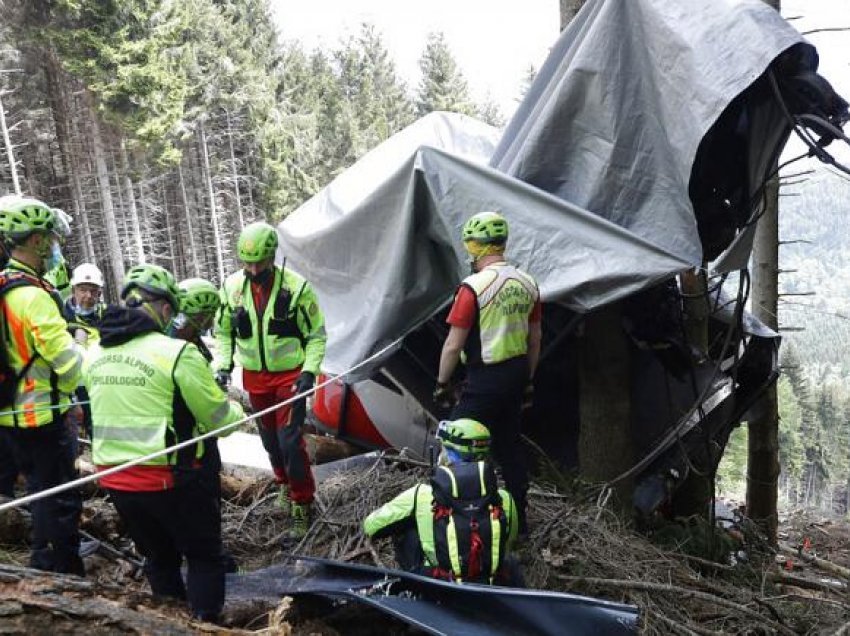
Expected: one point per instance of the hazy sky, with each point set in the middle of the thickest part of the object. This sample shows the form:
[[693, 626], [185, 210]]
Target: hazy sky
[[493, 41]]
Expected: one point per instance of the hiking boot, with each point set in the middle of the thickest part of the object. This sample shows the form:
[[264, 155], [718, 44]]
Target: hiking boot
[[300, 521], [283, 500]]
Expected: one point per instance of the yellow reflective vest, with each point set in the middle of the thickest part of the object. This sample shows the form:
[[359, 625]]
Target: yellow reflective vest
[[37, 340], [134, 389]]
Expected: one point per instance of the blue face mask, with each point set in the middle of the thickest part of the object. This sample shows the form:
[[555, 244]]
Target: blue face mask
[[54, 259]]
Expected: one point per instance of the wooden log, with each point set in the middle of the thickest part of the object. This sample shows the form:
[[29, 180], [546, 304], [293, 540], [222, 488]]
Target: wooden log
[[823, 564]]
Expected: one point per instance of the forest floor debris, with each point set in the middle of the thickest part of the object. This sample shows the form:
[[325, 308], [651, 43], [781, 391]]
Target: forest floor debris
[[577, 544]]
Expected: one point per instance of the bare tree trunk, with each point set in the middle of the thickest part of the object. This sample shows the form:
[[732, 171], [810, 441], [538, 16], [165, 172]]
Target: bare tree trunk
[[130, 197], [10, 154], [763, 444], [219, 255], [569, 8], [605, 447], [113, 244], [187, 215], [234, 173]]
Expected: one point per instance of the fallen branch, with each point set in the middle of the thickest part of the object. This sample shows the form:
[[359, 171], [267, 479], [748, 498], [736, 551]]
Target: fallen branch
[[798, 581], [823, 564], [670, 589]]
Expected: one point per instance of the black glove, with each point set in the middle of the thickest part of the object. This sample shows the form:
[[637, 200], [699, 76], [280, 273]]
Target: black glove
[[222, 378], [444, 395], [304, 382]]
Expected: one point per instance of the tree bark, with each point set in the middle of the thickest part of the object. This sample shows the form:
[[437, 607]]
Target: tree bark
[[129, 196], [10, 154], [187, 215], [219, 254], [234, 173], [569, 9], [763, 444], [605, 448], [113, 244]]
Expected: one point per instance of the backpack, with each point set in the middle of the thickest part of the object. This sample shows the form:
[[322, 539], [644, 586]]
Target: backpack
[[466, 515], [9, 378]]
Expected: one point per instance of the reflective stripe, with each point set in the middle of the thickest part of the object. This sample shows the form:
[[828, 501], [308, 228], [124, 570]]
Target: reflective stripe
[[425, 523], [451, 536], [219, 416], [481, 478], [453, 480], [71, 371], [146, 435], [69, 355]]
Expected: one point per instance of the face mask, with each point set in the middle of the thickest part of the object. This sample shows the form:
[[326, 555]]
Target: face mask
[[259, 277], [54, 259], [84, 312]]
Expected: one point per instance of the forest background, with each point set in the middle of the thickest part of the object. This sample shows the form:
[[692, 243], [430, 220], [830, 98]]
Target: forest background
[[163, 127]]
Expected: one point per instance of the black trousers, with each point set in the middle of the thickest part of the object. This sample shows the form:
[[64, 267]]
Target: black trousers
[[45, 454], [493, 396], [167, 526]]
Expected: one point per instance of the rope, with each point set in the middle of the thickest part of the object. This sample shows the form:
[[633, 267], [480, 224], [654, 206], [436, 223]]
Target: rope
[[67, 405], [55, 490]]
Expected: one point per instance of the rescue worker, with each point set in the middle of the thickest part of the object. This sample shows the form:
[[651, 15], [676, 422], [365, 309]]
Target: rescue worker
[[199, 303], [45, 366], [84, 310], [495, 323], [149, 391], [57, 275], [461, 526], [270, 324]]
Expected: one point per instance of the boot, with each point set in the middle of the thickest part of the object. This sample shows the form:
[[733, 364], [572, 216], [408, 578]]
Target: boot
[[283, 500], [300, 521]]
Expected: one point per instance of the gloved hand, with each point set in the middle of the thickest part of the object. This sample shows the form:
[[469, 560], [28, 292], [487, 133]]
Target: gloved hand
[[528, 396], [304, 382], [222, 378], [444, 395]]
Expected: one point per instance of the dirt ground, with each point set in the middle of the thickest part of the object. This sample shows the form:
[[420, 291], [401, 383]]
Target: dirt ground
[[683, 577]]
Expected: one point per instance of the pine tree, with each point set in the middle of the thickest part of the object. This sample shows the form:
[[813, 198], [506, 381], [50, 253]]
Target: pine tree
[[443, 86]]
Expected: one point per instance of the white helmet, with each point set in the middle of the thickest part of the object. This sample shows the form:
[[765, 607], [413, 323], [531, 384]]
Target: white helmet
[[87, 273]]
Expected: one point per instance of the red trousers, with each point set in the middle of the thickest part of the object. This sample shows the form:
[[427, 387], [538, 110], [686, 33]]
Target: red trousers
[[280, 432]]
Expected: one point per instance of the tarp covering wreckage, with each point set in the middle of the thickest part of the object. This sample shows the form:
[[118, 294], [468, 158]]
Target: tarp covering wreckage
[[592, 172], [437, 607]]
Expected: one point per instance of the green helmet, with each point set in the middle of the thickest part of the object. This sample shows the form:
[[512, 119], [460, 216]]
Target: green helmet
[[469, 438], [257, 242], [486, 227], [21, 216], [198, 296], [153, 279]]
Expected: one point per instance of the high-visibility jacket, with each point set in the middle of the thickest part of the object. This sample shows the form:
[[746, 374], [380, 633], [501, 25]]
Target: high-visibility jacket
[[88, 323], [140, 393], [37, 340], [442, 551], [505, 297], [60, 279], [289, 334]]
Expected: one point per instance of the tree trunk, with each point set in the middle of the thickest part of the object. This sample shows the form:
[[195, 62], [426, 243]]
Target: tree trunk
[[113, 244], [129, 196], [605, 447], [187, 215], [569, 8], [10, 153], [763, 444], [234, 173], [219, 254]]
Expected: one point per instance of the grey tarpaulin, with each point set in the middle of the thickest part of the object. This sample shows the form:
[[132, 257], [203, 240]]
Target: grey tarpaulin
[[613, 120], [612, 124], [437, 607]]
